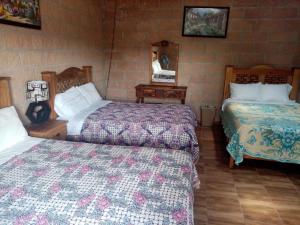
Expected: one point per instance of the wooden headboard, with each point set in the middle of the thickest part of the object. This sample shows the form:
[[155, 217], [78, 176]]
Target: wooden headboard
[[58, 83], [5, 97], [264, 74]]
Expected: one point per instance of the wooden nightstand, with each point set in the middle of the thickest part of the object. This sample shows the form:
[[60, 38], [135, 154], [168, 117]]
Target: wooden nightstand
[[52, 129]]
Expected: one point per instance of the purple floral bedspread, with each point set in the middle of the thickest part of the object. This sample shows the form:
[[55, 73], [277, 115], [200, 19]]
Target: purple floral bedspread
[[59, 182], [151, 125]]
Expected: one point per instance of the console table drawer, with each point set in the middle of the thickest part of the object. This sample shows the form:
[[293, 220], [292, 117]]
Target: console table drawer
[[173, 94], [149, 93], [160, 91]]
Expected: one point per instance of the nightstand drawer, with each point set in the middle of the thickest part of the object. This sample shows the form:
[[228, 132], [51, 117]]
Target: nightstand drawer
[[52, 129], [60, 135]]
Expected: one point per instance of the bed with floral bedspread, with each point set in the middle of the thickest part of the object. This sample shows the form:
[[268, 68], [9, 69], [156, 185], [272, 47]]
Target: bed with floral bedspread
[[268, 131], [151, 125], [57, 182]]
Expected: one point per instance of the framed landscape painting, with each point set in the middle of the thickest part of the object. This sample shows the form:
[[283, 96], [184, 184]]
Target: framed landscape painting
[[205, 21], [24, 13]]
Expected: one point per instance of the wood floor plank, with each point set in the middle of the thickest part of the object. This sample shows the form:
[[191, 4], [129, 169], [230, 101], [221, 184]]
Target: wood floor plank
[[254, 193]]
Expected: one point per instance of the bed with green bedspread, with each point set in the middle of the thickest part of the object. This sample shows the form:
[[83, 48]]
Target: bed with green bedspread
[[267, 131]]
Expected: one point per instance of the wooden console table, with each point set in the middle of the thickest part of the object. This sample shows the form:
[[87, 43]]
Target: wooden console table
[[160, 91]]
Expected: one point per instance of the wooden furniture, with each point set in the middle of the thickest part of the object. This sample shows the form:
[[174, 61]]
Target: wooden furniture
[[160, 51], [264, 74], [61, 82], [52, 129], [160, 91], [5, 98]]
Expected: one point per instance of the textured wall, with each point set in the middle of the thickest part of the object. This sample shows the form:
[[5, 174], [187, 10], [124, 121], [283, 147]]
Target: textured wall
[[71, 35], [259, 32]]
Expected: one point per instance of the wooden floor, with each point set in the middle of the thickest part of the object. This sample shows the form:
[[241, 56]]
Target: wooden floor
[[255, 193]]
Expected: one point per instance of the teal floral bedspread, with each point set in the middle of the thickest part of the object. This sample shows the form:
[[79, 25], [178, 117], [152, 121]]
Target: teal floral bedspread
[[268, 131]]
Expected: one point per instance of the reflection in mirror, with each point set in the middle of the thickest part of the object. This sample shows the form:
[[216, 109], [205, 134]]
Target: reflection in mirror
[[164, 63]]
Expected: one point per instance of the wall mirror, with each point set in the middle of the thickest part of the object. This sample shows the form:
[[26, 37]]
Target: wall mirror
[[164, 63]]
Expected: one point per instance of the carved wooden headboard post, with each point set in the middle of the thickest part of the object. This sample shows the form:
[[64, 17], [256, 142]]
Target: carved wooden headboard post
[[5, 97], [88, 72], [51, 78], [228, 78], [295, 83]]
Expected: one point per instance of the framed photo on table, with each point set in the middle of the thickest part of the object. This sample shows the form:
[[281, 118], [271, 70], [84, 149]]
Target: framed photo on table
[[24, 13], [201, 21]]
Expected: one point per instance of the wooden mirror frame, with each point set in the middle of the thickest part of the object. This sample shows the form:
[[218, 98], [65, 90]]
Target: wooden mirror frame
[[164, 43]]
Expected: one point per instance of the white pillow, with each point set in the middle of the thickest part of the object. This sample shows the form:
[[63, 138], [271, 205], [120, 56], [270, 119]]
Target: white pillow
[[90, 93], [69, 103], [249, 92], [158, 64], [155, 67], [275, 92], [12, 130]]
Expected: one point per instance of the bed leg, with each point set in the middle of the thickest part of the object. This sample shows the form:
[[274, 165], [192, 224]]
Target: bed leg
[[231, 163]]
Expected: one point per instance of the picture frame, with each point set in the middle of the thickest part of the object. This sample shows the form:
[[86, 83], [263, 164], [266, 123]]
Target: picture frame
[[23, 13], [205, 21]]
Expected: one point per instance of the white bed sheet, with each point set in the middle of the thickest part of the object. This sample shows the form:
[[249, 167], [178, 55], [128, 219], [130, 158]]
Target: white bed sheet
[[18, 148], [163, 80], [166, 72], [75, 123], [230, 100]]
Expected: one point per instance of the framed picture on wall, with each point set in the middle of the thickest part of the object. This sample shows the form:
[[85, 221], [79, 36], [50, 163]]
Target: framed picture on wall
[[201, 21], [24, 13]]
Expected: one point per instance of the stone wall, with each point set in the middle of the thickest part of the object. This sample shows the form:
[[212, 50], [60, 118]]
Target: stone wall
[[71, 35], [259, 32]]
